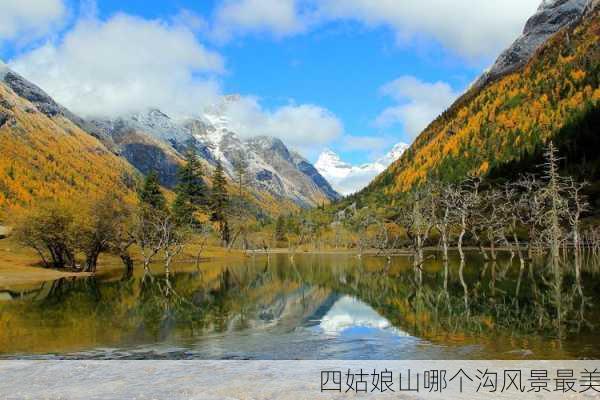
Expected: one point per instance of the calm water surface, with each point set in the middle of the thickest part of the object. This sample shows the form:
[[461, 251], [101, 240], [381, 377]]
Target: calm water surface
[[309, 307]]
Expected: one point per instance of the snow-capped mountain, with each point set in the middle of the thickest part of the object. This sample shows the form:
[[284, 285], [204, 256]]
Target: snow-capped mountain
[[154, 140], [347, 178], [551, 16]]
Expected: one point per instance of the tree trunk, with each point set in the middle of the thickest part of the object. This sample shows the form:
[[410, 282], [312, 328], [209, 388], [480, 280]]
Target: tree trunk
[[445, 245], [481, 249], [91, 261], [461, 237], [127, 261]]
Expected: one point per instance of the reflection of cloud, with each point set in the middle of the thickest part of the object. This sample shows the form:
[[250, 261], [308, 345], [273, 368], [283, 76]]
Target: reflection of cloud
[[348, 313]]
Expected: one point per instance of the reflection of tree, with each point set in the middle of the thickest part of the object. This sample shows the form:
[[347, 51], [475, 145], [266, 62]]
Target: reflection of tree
[[468, 300]]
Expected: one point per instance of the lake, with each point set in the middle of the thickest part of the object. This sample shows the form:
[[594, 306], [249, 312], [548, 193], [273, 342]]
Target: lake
[[310, 306]]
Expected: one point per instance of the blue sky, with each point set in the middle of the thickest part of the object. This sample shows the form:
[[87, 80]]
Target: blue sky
[[356, 76]]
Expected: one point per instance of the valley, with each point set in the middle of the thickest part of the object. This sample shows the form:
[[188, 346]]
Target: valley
[[194, 237]]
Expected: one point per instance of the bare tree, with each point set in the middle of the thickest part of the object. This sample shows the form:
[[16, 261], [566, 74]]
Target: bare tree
[[416, 216], [146, 233], [385, 241], [173, 238], [530, 209], [446, 214], [464, 199], [202, 233], [556, 207], [578, 206]]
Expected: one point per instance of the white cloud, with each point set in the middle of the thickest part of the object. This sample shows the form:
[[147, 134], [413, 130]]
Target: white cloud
[[471, 28], [24, 20], [358, 179], [278, 17], [125, 64], [419, 103], [365, 143], [306, 127]]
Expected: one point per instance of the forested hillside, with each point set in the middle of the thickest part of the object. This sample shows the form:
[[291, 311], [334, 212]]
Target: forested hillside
[[501, 128], [50, 157]]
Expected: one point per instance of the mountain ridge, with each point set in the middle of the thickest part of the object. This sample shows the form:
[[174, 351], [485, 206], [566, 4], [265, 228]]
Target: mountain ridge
[[507, 118], [152, 140], [550, 17], [272, 167], [47, 156]]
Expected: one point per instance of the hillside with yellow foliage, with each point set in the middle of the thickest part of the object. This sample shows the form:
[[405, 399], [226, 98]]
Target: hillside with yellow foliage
[[45, 156], [50, 157], [556, 96]]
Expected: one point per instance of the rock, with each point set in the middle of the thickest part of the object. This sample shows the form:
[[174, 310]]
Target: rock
[[551, 17], [44, 103]]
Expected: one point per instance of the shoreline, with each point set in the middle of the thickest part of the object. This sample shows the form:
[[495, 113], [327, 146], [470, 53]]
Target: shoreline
[[368, 252], [19, 266]]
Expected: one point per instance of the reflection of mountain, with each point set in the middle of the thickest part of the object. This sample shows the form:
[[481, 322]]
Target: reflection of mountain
[[348, 313], [285, 311], [320, 307]]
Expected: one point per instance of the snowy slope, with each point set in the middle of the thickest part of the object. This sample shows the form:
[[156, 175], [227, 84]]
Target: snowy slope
[[271, 166], [347, 178], [551, 16]]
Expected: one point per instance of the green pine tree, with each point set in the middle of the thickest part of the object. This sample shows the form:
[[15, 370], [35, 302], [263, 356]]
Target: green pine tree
[[220, 201], [190, 180], [190, 189], [183, 209], [151, 193], [220, 198]]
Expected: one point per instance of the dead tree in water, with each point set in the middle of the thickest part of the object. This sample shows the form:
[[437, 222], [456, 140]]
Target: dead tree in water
[[556, 207], [463, 199], [530, 210], [173, 238], [511, 206], [416, 216], [445, 215], [578, 206], [478, 220], [147, 234], [490, 219]]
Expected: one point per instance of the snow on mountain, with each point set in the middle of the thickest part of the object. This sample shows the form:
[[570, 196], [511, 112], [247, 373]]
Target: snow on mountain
[[551, 16], [350, 313], [271, 166], [347, 178], [3, 70]]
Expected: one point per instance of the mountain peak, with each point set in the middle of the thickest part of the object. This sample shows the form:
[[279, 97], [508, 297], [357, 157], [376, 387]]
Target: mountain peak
[[551, 16], [347, 178], [331, 162]]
